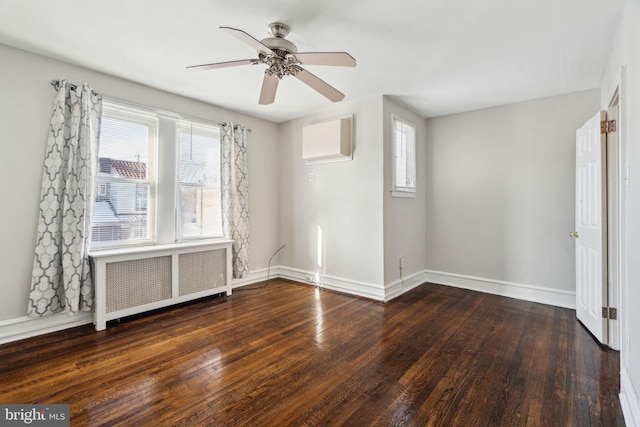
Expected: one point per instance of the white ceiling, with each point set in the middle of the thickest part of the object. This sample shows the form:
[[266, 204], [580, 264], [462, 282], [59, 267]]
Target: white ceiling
[[437, 57]]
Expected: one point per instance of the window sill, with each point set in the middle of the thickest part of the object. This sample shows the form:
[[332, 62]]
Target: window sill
[[403, 194]]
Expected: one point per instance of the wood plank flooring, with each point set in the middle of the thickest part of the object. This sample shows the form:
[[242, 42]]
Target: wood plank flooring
[[291, 354]]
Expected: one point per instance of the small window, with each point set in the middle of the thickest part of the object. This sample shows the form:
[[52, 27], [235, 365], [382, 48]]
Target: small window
[[404, 158], [199, 192], [124, 210], [103, 192]]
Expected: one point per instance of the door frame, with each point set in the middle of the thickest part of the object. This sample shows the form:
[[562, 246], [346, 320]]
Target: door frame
[[614, 226]]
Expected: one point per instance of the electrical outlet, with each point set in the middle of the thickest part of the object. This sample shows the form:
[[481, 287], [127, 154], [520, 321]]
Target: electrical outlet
[[312, 176], [401, 262]]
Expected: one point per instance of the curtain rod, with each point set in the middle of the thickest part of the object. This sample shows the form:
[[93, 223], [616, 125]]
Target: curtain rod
[[56, 85]]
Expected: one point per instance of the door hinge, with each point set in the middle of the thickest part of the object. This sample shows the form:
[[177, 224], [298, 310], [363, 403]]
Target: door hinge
[[607, 126], [610, 313]]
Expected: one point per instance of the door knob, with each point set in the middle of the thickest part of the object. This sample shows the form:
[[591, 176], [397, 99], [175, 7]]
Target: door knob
[[574, 234]]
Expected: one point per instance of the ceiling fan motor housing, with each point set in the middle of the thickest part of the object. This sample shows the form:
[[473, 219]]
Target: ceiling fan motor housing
[[278, 44]]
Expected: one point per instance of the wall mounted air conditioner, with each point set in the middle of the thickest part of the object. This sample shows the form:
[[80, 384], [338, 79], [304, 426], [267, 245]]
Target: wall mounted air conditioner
[[327, 141]]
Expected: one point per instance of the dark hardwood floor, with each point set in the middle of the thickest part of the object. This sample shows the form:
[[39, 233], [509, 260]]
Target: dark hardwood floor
[[291, 354]]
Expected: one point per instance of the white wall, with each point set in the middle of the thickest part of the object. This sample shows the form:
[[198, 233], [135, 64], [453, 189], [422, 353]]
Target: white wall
[[344, 201], [26, 100], [404, 218], [624, 68], [500, 191]]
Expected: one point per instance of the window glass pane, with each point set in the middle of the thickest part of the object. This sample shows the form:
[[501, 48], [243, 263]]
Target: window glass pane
[[404, 146], [127, 145], [124, 211], [401, 156], [199, 211], [199, 157], [119, 217], [199, 195]]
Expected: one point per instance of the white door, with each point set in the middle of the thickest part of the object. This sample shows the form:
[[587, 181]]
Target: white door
[[590, 237]]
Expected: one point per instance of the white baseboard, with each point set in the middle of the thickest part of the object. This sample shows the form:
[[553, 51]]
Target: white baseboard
[[353, 287], [629, 400], [26, 327], [399, 287], [338, 284], [539, 294], [297, 275], [256, 276], [521, 291]]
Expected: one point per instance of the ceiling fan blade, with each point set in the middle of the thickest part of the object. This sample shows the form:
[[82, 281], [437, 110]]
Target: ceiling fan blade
[[221, 65], [320, 86], [242, 36], [339, 59], [268, 92]]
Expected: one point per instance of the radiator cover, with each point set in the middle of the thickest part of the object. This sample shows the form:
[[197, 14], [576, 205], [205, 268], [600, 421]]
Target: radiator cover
[[133, 280]]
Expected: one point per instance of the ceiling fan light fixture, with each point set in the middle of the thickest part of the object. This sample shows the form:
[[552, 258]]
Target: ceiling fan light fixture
[[281, 66], [282, 70]]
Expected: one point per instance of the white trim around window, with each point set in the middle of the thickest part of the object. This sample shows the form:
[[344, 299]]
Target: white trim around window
[[126, 178], [403, 158], [137, 191]]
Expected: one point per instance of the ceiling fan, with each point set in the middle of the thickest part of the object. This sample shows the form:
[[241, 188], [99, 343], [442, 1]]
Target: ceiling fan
[[282, 59]]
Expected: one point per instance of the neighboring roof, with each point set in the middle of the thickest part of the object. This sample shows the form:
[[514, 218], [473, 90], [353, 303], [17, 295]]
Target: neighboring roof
[[124, 168], [103, 213]]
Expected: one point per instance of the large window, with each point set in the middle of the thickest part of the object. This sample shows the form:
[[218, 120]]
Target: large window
[[124, 211], [404, 158], [199, 210], [158, 178]]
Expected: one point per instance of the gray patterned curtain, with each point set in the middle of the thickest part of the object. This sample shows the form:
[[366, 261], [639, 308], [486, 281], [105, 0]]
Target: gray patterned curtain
[[61, 278], [235, 195]]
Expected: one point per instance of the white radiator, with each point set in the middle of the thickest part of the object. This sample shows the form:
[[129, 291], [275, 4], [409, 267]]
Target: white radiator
[[133, 280]]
